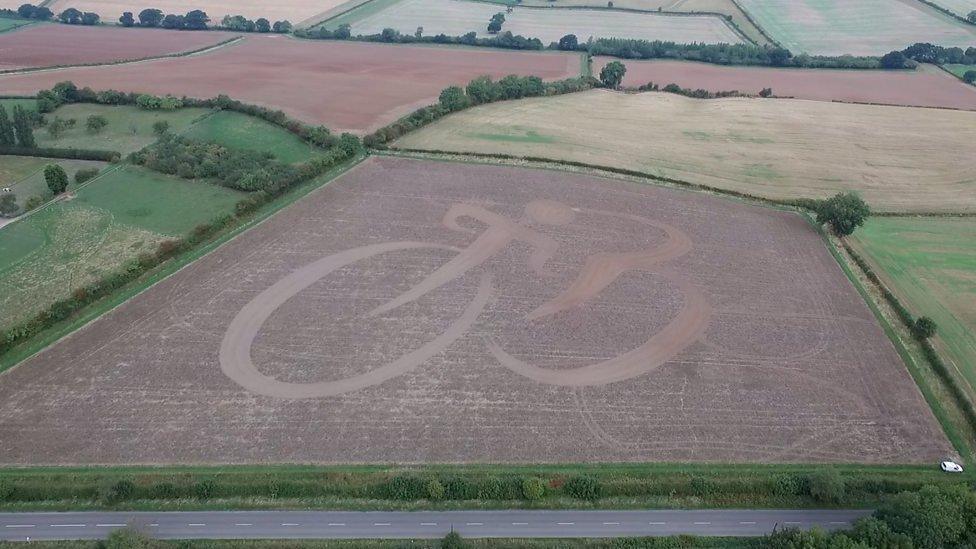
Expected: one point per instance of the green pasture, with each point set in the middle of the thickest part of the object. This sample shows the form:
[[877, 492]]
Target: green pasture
[[959, 69], [8, 24], [368, 9], [129, 128], [865, 27], [9, 103], [240, 131], [44, 256], [25, 174], [930, 263]]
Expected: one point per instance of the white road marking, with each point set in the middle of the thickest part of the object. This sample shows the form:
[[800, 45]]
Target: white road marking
[[154, 524], [747, 522], [109, 525], [337, 524], [565, 523], [657, 523], [788, 522], [520, 524], [428, 524], [611, 524], [703, 523], [196, 524], [20, 526], [290, 524], [243, 524], [475, 524], [67, 525], [381, 524]]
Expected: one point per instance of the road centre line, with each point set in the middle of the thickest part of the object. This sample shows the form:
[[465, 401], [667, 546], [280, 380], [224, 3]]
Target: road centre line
[[381, 524], [702, 523], [657, 523], [109, 525], [520, 524], [475, 524], [67, 525], [747, 522], [19, 526], [337, 524], [196, 524], [611, 524], [428, 524], [243, 524], [565, 523]]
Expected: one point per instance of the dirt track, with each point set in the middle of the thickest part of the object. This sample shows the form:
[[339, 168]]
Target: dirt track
[[345, 85], [779, 360]]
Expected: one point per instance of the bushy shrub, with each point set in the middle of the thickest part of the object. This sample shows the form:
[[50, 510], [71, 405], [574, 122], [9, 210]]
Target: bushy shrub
[[826, 486], [407, 487], [787, 485], [489, 488], [435, 490], [583, 487], [458, 488], [85, 174], [114, 491], [533, 488], [205, 489], [923, 328]]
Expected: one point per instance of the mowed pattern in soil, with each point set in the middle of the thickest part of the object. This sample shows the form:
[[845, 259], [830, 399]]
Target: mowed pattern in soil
[[928, 86], [51, 45], [344, 85], [571, 318]]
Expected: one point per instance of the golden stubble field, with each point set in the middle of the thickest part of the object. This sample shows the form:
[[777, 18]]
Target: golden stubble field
[[899, 159]]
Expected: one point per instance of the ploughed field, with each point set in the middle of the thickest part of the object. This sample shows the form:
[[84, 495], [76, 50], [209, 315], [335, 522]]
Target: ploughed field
[[458, 17], [483, 313], [344, 85], [55, 45], [861, 27], [292, 10], [927, 86], [899, 159]]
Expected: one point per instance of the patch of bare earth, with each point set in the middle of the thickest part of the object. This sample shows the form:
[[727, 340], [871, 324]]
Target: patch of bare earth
[[345, 85], [418, 311], [50, 45]]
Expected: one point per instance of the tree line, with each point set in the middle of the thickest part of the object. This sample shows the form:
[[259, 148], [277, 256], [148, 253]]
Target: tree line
[[152, 18], [503, 40]]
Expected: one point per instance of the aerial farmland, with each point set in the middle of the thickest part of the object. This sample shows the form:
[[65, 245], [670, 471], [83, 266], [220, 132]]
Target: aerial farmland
[[401, 273]]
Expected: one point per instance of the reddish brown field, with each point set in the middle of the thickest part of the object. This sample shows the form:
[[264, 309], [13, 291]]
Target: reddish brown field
[[344, 85], [417, 311], [928, 86], [50, 45]]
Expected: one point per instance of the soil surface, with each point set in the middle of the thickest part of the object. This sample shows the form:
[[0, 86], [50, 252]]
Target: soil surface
[[50, 45], [928, 86], [418, 311], [351, 86]]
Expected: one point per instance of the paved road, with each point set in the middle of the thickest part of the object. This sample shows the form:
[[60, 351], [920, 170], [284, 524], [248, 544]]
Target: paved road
[[419, 524]]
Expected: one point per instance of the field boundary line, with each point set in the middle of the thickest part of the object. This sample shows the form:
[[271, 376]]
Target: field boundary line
[[54, 68], [756, 24]]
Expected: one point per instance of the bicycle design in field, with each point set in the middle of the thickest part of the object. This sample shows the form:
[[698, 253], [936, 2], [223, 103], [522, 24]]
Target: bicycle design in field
[[598, 272]]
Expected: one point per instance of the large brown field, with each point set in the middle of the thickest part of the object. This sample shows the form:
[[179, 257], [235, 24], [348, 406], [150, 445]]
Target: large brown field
[[928, 86], [292, 10], [50, 45], [900, 159], [345, 85], [419, 311]]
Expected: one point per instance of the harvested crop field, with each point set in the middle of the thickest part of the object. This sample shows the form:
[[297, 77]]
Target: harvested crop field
[[928, 86], [357, 86], [862, 27], [961, 8], [898, 158], [51, 45], [458, 17], [292, 10], [474, 313]]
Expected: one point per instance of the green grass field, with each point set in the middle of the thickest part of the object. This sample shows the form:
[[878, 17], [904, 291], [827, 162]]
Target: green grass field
[[930, 263], [9, 104], [236, 130], [129, 128], [8, 24], [959, 70], [128, 210], [864, 27], [25, 174]]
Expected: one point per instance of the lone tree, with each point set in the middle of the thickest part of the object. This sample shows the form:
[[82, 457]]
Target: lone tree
[[970, 77], [56, 178], [766, 92], [150, 17], [196, 20], [95, 123], [893, 60], [568, 42], [923, 328], [453, 98], [496, 22], [126, 19], [262, 25], [70, 16], [972, 17], [613, 74], [844, 212]]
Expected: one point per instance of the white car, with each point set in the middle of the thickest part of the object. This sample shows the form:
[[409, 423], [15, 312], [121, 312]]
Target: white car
[[951, 467]]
